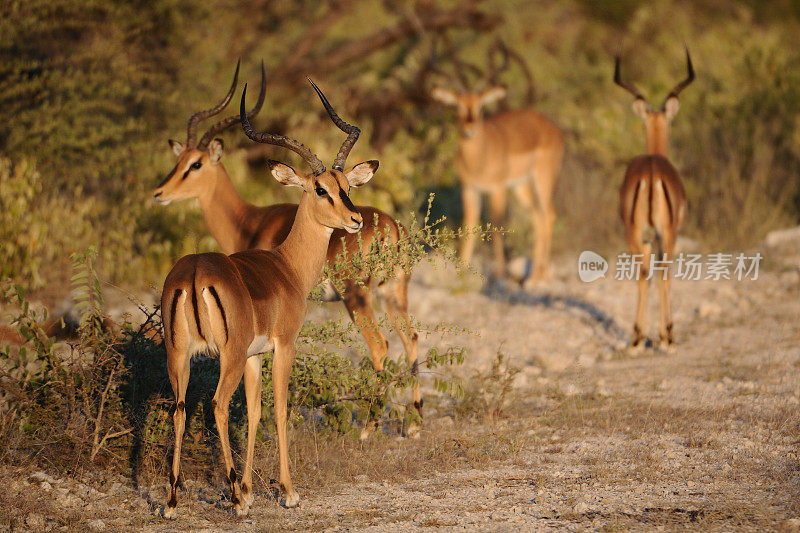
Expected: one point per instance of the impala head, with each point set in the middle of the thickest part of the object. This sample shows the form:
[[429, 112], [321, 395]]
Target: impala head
[[656, 121], [327, 190], [469, 105], [198, 162], [470, 100]]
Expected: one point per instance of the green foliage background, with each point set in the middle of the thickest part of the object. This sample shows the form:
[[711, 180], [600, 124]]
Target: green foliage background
[[91, 90]]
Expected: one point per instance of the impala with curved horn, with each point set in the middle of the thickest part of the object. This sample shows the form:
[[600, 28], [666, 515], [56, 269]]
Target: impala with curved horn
[[238, 225], [235, 306], [520, 149], [653, 202]]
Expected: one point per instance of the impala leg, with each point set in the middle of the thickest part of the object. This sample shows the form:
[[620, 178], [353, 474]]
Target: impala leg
[[471, 200], [545, 172], [178, 369], [230, 374], [281, 368], [358, 301], [525, 195], [252, 389], [665, 330], [643, 283], [395, 294], [498, 204]]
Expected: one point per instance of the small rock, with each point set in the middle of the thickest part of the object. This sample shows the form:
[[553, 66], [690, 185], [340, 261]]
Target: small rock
[[97, 525], [69, 500], [708, 309], [580, 507], [571, 390], [782, 237], [519, 269], [443, 422], [41, 477], [790, 278], [35, 521], [686, 245]]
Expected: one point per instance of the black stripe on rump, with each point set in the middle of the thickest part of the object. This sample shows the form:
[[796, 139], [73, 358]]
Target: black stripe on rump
[[196, 313], [172, 308], [213, 292], [669, 202], [635, 201], [650, 197]]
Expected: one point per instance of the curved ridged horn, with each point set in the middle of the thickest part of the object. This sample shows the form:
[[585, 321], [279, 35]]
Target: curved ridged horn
[[191, 129], [689, 78], [222, 125], [352, 131], [494, 70], [627, 86], [280, 140], [461, 67]]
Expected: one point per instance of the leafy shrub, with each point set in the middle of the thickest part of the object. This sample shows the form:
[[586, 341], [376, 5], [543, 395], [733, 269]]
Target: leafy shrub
[[487, 393], [107, 394], [25, 224]]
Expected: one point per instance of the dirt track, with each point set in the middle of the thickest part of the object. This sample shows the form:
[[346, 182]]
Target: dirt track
[[703, 438]]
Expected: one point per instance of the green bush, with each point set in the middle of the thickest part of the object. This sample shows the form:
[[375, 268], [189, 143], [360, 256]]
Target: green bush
[[25, 225]]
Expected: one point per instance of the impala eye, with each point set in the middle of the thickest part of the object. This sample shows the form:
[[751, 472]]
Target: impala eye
[[320, 191], [196, 165]]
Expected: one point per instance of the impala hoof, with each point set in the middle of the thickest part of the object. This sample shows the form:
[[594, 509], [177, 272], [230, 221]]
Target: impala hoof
[[667, 346], [413, 430], [636, 349], [369, 428], [170, 513], [241, 510], [291, 499]]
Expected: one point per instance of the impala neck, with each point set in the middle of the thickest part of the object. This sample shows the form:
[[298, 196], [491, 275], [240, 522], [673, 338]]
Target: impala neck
[[657, 135], [306, 246], [471, 146], [226, 214]]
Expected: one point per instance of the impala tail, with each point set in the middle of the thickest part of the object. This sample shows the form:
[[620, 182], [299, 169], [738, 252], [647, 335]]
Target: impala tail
[[196, 315]]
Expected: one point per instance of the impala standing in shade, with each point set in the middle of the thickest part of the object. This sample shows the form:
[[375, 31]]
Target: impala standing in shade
[[520, 149], [237, 225], [236, 306], [653, 203]]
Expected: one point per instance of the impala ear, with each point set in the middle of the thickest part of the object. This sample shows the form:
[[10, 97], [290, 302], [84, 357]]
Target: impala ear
[[492, 95], [640, 107], [177, 147], [286, 174], [445, 96], [215, 150], [671, 107], [361, 173]]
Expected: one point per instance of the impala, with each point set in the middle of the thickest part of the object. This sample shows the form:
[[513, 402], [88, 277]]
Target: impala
[[235, 306], [653, 203], [519, 149], [237, 225]]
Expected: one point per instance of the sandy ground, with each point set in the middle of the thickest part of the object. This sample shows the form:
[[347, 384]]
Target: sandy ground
[[593, 438]]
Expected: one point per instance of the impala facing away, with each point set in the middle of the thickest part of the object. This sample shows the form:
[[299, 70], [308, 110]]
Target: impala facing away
[[235, 306], [238, 225], [653, 202], [520, 149]]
